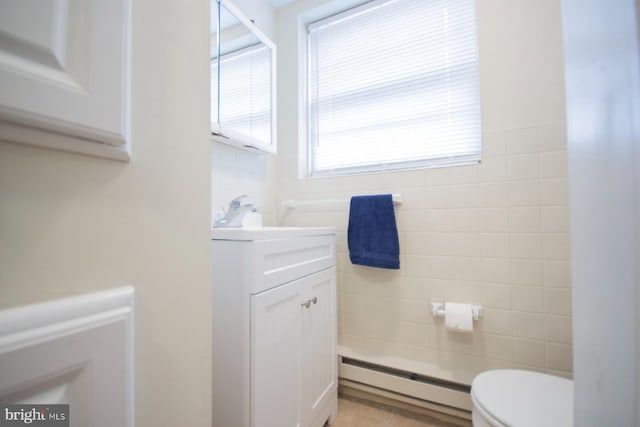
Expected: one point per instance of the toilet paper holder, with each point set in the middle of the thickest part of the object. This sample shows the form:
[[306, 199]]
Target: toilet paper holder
[[438, 309]]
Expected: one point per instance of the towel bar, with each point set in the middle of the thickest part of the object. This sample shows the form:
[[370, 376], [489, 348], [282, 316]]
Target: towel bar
[[397, 200]]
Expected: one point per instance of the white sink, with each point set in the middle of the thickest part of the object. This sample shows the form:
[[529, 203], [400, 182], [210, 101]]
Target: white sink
[[264, 233]]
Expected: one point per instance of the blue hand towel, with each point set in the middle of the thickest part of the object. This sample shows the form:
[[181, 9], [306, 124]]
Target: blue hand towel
[[372, 235]]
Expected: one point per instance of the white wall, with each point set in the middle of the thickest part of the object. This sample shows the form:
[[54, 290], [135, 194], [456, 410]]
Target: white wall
[[494, 234], [603, 98], [260, 11], [71, 224], [235, 172]]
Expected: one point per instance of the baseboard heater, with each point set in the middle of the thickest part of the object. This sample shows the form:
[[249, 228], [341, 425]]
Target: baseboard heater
[[405, 386]]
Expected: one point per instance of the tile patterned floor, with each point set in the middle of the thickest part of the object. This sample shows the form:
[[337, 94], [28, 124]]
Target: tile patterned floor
[[356, 412]]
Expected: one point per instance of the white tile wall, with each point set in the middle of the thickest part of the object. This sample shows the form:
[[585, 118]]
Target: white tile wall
[[529, 352], [494, 234]]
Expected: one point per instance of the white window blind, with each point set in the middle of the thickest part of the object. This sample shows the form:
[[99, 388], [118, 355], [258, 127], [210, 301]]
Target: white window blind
[[394, 84], [245, 91]]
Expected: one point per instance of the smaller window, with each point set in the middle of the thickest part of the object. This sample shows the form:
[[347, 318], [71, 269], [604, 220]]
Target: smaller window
[[394, 84]]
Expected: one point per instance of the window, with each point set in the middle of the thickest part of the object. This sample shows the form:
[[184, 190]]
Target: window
[[394, 84]]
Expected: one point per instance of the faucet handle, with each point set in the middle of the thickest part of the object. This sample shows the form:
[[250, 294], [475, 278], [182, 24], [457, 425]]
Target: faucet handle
[[235, 203]]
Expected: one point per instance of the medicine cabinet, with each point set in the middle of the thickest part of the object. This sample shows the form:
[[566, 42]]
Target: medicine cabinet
[[243, 81]]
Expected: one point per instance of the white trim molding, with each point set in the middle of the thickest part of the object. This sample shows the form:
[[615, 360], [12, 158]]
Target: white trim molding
[[65, 76], [77, 351]]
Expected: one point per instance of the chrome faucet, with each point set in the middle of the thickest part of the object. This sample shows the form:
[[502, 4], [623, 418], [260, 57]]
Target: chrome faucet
[[235, 213]]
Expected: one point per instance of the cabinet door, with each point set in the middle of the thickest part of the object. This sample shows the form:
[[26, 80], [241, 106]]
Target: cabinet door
[[319, 360], [275, 356]]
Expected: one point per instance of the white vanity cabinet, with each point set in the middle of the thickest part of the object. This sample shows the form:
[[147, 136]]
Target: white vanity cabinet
[[274, 328]]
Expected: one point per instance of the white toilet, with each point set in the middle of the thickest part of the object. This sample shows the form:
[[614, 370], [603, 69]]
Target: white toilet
[[516, 398]]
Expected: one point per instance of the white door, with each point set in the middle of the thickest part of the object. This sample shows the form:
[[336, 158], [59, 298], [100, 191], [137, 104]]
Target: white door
[[64, 75], [275, 356], [602, 75], [319, 362]]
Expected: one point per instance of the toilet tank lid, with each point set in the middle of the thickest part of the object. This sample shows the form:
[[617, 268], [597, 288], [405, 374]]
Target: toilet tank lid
[[524, 398]]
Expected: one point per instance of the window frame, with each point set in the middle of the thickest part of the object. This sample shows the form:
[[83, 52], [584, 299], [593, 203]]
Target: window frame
[[380, 167]]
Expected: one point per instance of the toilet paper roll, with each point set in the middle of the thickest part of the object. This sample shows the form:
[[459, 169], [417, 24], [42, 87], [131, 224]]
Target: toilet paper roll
[[458, 317]]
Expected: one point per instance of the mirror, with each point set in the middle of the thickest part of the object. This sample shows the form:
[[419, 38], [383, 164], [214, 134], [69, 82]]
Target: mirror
[[243, 64]]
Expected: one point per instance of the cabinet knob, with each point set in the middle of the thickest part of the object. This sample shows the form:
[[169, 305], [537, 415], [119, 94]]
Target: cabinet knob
[[308, 302]]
